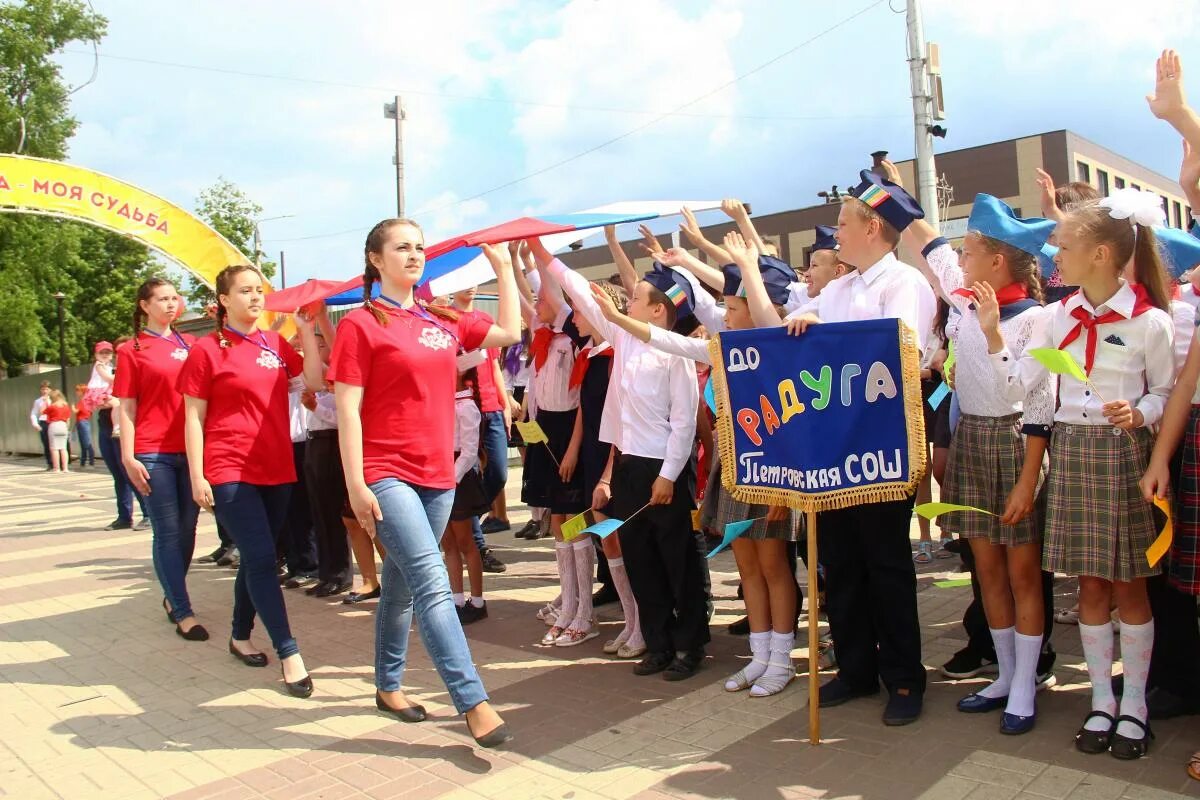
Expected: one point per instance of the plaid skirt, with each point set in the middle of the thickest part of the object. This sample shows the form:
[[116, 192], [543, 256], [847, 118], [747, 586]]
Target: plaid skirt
[[720, 509], [985, 459], [1183, 569], [1097, 522]]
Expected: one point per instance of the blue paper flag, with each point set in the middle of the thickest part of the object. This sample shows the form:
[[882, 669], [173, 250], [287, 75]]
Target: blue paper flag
[[604, 527], [939, 394], [709, 397], [732, 531]]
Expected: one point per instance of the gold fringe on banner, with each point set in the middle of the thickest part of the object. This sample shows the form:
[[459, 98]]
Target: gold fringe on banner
[[910, 369]]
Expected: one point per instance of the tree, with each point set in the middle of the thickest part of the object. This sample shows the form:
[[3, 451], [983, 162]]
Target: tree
[[232, 214]]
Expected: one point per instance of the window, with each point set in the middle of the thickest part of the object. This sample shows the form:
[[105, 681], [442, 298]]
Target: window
[[1102, 176], [1187, 210], [1083, 172], [1166, 210], [1118, 182], [1178, 209], [1135, 187]]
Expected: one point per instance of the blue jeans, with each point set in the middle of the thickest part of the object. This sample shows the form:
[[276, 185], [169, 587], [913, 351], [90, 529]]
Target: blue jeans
[[173, 515], [110, 451], [493, 437], [415, 575], [252, 514], [87, 453]]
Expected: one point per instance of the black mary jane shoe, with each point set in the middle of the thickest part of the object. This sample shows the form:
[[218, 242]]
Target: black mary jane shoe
[[302, 688], [413, 713], [1125, 748], [196, 633], [249, 659], [358, 597], [1093, 742]]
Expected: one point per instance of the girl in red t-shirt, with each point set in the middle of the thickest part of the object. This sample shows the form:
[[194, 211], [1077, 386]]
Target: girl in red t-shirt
[[394, 371], [58, 414], [235, 385], [152, 449]]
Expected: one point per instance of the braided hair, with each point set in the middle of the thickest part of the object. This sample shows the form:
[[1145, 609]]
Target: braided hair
[[224, 284], [374, 244], [144, 293]]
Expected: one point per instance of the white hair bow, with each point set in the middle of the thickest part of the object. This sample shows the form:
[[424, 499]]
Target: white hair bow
[[1135, 205]]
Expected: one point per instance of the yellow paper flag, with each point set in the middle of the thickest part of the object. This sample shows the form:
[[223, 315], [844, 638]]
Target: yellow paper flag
[[1162, 544], [576, 525], [1059, 362], [931, 510], [948, 364], [532, 433], [696, 520]]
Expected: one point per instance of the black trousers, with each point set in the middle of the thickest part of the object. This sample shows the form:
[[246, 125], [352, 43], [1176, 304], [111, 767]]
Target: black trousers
[[1175, 660], [326, 485], [44, 434], [871, 595], [664, 564], [295, 540], [979, 633]]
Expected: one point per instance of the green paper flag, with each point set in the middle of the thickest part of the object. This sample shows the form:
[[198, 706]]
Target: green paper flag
[[950, 584], [1059, 362], [931, 510], [949, 362]]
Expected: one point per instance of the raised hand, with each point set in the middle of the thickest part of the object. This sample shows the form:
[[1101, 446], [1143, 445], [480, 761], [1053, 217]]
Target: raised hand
[[607, 307], [649, 242], [1189, 171], [1169, 98], [689, 227], [673, 257], [734, 209], [891, 172], [987, 307], [741, 251], [1046, 190], [498, 256]]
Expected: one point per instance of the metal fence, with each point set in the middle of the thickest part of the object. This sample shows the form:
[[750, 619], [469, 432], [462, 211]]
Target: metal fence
[[17, 434]]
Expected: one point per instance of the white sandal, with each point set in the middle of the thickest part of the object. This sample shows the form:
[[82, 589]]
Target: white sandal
[[552, 635], [573, 636], [548, 614], [769, 684], [738, 680], [613, 646], [631, 651]]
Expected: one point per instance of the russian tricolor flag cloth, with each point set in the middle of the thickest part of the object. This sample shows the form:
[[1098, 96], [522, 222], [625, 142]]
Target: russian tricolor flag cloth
[[458, 263]]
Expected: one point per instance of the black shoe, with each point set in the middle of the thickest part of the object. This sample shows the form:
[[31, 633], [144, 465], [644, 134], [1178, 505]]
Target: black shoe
[[543, 531], [285, 577], [1164, 704], [1126, 748], [652, 663], [301, 581], [229, 559], [903, 707], [1093, 742], [249, 659], [493, 525], [741, 627], [837, 691], [523, 533], [409, 714], [212, 557], [329, 589], [168, 611], [119, 525], [143, 524], [469, 613], [358, 597], [493, 738], [967, 664], [684, 665], [196, 633], [491, 563], [302, 688], [604, 595]]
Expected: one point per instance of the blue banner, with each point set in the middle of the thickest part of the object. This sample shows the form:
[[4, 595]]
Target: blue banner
[[830, 418]]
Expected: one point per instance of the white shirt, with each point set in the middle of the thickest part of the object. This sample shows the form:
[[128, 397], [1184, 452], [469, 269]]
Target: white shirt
[[886, 289], [682, 346], [798, 297], [550, 386], [1183, 317], [1187, 293], [1135, 360], [974, 375], [324, 416], [650, 408], [466, 433], [297, 418], [38, 413]]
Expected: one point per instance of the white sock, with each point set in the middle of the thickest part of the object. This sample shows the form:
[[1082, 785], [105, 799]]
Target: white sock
[[635, 639], [585, 569], [459, 599], [1136, 643], [760, 650], [1024, 678], [565, 555], [1098, 653], [620, 579], [1006, 657], [779, 666], [477, 601], [537, 513]]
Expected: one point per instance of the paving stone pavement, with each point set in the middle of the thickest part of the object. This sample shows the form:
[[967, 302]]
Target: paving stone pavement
[[100, 699]]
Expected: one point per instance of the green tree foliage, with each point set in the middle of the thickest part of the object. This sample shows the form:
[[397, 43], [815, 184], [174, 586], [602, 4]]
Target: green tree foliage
[[232, 214]]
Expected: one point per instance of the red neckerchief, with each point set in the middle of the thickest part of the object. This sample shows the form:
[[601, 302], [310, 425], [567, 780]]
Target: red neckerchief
[[1087, 322], [540, 346], [1195, 291], [580, 368], [1009, 294]]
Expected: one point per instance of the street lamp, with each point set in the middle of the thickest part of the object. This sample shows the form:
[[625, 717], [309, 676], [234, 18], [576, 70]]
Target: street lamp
[[258, 253], [59, 297]]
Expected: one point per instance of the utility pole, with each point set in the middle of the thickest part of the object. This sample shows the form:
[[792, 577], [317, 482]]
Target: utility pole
[[282, 272], [395, 110], [918, 70]]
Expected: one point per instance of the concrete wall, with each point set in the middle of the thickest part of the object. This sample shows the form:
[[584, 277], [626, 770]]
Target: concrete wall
[[17, 435]]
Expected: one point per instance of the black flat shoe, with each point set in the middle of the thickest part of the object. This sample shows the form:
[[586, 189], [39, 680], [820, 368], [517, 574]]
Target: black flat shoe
[[740, 628], [302, 688], [1125, 748], [358, 597], [494, 738], [169, 617], [212, 557], [329, 589], [1093, 742], [409, 714], [684, 666], [196, 633], [251, 659], [652, 663]]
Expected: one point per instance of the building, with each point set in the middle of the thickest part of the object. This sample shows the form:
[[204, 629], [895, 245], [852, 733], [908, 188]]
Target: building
[[1005, 169]]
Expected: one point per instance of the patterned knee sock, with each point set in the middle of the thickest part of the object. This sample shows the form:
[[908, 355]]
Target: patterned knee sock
[[1098, 652], [620, 578], [1136, 643], [585, 571], [565, 555]]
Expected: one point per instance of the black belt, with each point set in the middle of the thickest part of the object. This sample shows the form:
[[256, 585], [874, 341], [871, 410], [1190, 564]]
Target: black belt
[[326, 434]]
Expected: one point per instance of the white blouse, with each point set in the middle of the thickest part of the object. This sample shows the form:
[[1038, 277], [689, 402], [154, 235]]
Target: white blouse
[[466, 433]]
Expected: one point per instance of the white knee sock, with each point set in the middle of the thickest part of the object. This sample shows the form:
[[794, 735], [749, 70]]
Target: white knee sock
[[1006, 656], [760, 650], [585, 570], [620, 579], [459, 600], [1024, 677], [779, 666], [565, 555], [1136, 643], [1098, 653], [635, 639]]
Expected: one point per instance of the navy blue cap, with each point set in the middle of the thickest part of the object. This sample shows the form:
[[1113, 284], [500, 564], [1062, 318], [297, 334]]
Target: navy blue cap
[[777, 278], [1181, 250], [675, 286], [888, 199], [995, 219], [825, 239]]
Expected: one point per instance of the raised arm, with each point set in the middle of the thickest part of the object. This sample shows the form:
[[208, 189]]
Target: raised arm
[[625, 269], [507, 329], [919, 233], [576, 287], [678, 257], [762, 310], [737, 212], [314, 367], [691, 229], [1169, 101], [659, 338]]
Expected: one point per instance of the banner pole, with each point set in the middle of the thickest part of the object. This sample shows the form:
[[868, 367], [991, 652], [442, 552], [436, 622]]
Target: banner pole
[[814, 639]]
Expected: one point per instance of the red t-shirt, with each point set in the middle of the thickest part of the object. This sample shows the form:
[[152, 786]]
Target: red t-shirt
[[58, 413], [491, 398], [246, 433], [407, 370], [82, 412], [148, 375]]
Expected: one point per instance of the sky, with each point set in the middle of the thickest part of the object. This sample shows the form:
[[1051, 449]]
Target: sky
[[537, 107]]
